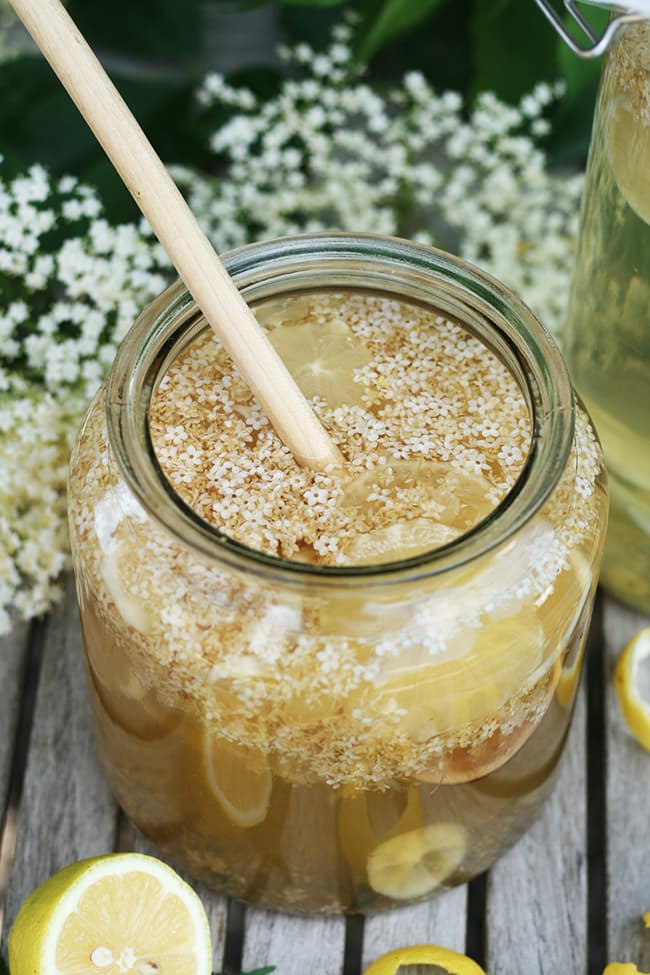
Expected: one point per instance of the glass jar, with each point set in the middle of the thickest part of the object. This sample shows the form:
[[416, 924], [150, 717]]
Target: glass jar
[[324, 738], [608, 329]]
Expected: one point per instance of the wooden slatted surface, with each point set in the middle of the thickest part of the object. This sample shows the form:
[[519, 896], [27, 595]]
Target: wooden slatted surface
[[566, 899]]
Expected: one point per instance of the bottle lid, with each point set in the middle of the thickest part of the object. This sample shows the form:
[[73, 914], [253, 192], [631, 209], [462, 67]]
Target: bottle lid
[[580, 35]]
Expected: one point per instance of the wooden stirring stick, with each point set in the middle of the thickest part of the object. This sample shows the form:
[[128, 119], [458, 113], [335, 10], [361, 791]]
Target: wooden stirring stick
[[178, 231]]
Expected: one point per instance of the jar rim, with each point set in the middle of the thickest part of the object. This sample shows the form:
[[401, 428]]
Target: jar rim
[[367, 262]]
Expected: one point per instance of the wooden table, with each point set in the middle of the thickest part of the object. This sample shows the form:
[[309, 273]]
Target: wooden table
[[568, 898]]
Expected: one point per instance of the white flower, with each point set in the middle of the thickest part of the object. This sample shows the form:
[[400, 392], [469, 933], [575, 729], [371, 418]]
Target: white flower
[[70, 303]]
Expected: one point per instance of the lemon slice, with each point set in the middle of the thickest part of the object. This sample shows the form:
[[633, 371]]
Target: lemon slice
[[125, 913], [322, 359], [240, 780], [628, 683], [416, 863], [367, 817], [402, 540], [451, 961], [130, 608], [628, 142]]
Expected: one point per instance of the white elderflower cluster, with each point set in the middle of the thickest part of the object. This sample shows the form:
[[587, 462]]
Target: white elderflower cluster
[[329, 152], [70, 285]]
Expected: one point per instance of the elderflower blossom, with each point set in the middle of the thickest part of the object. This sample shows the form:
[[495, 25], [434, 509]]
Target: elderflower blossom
[[70, 286], [330, 152]]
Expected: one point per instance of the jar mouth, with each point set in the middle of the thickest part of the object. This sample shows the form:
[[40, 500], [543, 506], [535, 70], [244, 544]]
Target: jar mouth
[[360, 262]]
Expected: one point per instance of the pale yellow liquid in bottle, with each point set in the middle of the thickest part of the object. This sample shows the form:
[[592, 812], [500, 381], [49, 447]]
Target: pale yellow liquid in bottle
[[608, 328]]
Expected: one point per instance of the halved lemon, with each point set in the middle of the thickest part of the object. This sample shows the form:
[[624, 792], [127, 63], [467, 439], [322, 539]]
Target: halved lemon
[[240, 779], [416, 863], [322, 358], [124, 913], [451, 961], [632, 682]]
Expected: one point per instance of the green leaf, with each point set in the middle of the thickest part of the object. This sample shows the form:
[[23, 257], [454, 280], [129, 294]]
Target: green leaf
[[580, 73], [39, 123], [4, 967], [258, 971], [512, 48], [388, 19], [440, 48], [162, 30], [306, 3]]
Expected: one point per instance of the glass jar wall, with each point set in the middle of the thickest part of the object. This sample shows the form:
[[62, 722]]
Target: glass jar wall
[[325, 738], [608, 329]]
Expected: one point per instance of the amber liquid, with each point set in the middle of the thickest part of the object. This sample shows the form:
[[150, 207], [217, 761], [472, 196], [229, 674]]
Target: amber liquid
[[350, 747], [315, 847]]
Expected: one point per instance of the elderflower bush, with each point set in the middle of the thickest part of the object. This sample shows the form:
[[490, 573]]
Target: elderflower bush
[[70, 286], [330, 152]]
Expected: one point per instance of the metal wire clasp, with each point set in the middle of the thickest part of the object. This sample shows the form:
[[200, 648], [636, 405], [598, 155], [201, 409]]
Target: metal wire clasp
[[592, 45]]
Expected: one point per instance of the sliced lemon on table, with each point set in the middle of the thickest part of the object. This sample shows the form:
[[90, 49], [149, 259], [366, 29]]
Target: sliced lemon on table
[[416, 863], [450, 961], [240, 779], [124, 913], [322, 358], [632, 683]]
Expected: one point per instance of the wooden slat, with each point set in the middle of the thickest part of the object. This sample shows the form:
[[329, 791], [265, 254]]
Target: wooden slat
[[628, 810], [297, 945], [13, 654], [293, 944], [537, 895], [67, 811], [12, 659], [440, 921]]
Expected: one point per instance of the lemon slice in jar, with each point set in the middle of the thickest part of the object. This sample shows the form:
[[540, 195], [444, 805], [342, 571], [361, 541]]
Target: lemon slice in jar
[[401, 540], [240, 780], [443, 958], [322, 358], [120, 913], [632, 682], [628, 145], [416, 863]]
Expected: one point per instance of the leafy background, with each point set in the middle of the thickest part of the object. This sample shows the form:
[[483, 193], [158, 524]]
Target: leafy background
[[158, 50]]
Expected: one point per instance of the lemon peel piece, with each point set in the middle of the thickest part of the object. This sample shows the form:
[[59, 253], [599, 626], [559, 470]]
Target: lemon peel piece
[[241, 785], [414, 864], [646, 919], [116, 913], [453, 962], [636, 710], [616, 968]]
